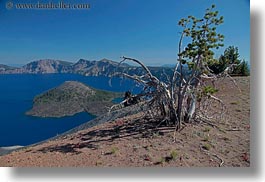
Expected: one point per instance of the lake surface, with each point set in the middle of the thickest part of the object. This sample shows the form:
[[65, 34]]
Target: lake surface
[[16, 95]]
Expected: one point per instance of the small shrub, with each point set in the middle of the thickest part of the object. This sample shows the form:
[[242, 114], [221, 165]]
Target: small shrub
[[209, 90], [114, 150], [206, 146], [173, 154]]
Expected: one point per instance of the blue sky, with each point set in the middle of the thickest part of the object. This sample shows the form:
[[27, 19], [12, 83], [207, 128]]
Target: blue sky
[[142, 29]]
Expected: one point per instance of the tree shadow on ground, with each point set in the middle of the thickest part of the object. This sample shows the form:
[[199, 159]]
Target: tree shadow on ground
[[67, 148], [139, 128]]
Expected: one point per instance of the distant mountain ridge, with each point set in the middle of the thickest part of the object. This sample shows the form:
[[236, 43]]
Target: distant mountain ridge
[[38, 67], [47, 66], [103, 67], [4, 68]]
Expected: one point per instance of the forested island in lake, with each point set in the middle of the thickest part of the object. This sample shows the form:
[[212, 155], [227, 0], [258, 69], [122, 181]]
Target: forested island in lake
[[70, 98]]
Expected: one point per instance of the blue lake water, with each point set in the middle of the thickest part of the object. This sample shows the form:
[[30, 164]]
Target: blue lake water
[[16, 95]]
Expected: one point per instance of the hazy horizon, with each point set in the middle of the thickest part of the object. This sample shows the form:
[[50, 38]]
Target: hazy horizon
[[130, 63]]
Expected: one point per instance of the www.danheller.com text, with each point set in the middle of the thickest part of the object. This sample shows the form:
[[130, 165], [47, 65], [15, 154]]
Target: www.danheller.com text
[[48, 5]]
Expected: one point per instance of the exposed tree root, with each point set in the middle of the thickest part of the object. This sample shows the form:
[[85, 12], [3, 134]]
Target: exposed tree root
[[221, 161]]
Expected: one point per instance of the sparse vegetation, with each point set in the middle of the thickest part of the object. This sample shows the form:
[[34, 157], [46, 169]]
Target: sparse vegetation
[[206, 146], [62, 94], [71, 98], [187, 95], [95, 142], [173, 154], [114, 150]]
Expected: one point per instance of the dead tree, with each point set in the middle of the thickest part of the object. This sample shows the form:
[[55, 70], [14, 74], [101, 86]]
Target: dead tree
[[187, 94]]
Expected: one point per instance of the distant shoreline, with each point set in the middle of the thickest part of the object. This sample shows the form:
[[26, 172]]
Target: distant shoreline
[[9, 149]]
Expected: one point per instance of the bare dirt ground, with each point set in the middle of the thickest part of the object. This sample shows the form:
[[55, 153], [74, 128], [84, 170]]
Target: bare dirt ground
[[133, 141]]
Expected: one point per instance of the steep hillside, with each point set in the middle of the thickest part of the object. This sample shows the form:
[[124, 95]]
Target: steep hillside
[[47, 66], [132, 139]]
